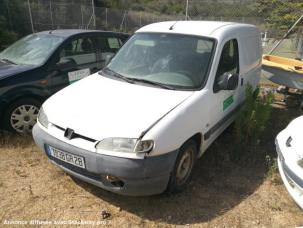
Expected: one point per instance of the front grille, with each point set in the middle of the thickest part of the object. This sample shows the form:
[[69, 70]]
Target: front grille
[[76, 135]]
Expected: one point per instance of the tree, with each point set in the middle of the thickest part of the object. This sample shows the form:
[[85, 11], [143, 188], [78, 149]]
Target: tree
[[279, 15]]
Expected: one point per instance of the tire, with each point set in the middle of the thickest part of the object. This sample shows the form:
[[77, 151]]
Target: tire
[[21, 115], [182, 171]]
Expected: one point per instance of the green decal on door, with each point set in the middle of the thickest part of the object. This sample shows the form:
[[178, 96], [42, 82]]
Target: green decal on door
[[227, 102]]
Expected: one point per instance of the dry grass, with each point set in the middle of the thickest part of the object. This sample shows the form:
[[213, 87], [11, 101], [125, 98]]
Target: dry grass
[[221, 194]]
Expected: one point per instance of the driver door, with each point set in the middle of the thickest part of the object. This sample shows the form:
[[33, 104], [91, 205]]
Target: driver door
[[77, 59], [224, 102]]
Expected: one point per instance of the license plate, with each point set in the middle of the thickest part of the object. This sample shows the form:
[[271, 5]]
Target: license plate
[[67, 157]]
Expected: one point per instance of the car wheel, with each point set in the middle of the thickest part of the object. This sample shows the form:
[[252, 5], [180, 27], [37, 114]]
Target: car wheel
[[21, 116], [184, 164]]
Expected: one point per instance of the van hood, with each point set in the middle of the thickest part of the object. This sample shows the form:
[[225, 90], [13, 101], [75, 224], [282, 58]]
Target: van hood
[[98, 107], [7, 69]]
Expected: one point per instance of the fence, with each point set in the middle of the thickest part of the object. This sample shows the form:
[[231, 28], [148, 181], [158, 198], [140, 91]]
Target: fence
[[47, 14], [38, 15]]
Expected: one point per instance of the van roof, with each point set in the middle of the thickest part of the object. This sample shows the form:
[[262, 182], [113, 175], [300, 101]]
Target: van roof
[[213, 29]]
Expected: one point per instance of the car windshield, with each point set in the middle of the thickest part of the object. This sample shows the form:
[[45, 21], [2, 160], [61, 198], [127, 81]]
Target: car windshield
[[178, 61], [31, 50]]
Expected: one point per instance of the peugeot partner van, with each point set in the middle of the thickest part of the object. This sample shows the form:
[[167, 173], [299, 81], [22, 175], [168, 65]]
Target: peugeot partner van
[[138, 126]]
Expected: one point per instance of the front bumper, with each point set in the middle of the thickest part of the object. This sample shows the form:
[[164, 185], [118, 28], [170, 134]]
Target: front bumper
[[292, 182], [146, 176]]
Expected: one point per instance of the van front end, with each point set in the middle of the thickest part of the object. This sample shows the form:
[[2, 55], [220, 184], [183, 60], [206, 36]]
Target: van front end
[[126, 176], [290, 159]]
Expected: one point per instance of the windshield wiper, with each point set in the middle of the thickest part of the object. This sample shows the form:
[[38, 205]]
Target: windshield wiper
[[8, 61], [153, 83], [133, 80], [115, 74]]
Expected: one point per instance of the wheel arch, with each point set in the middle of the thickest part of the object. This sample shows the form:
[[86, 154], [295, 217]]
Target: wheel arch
[[197, 138], [15, 99], [25, 92]]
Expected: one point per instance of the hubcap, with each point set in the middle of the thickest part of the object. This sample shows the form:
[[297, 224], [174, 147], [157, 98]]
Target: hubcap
[[185, 166], [23, 118]]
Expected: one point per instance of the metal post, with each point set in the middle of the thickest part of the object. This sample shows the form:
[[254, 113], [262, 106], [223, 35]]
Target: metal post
[[186, 10], [300, 47], [30, 15], [94, 15], [122, 22], [125, 22], [90, 19], [105, 17], [82, 22], [51, 13]]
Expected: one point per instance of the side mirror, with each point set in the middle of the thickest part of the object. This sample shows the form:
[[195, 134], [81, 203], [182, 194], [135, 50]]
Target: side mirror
[[227, 81], [66, 63]]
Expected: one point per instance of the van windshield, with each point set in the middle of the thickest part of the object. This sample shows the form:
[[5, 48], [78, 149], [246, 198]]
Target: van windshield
[[31, 50], [178, 61]]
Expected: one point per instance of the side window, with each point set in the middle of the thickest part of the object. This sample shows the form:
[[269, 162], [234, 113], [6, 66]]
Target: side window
[[80, 50], [229, 60], [109, 46], [114, 43]]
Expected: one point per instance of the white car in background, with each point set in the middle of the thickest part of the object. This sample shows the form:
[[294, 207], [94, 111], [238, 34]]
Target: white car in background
[[138, 126], [289, 145]]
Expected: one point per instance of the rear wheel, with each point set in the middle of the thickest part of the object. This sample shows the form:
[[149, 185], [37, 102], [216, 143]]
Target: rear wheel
[[21, 116], [182, 172]]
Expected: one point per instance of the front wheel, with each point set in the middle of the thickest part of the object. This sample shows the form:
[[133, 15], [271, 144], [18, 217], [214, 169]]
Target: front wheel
[[21, 116], [182, 171]]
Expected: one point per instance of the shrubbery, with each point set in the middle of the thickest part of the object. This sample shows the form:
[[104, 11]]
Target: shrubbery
[[253, 116], [251, 122]]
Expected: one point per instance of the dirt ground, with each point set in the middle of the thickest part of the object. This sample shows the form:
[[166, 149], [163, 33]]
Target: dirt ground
[[223, 192]]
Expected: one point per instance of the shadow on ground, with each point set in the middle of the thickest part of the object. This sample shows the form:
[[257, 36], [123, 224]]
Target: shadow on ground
[[218, 183]]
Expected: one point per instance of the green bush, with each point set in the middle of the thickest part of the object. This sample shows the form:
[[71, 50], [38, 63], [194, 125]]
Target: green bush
[[250, 123], [253, 116]]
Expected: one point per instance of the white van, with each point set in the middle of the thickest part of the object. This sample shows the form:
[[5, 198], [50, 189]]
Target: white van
[[138, 126]]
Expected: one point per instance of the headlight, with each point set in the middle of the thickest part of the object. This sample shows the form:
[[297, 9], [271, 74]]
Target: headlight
[[125, 145], [42, 118]]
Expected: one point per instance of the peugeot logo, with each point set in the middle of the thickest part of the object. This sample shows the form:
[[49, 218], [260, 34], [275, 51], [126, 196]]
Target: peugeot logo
[[69, 133]]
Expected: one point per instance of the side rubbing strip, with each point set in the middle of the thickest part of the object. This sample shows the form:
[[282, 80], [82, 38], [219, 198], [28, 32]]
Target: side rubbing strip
[[221, 122]]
